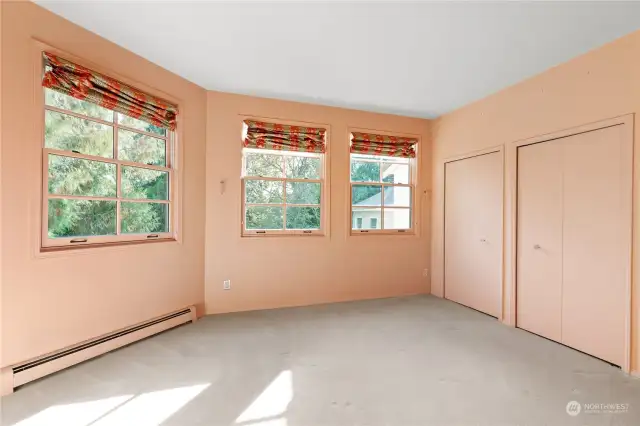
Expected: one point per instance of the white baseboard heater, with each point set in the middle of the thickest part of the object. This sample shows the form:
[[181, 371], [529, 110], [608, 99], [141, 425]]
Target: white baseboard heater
[[19, 374]]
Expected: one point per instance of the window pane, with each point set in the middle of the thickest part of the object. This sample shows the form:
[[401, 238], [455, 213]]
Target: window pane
[[68, 133], [259, 217], [141, 148], [365, 172], [397, 218], [144, 218], [81, 218], [397, 196], [140, 183], [62, 101], [366, 218], [303, 167], [395, 173], [264, 191], [303, 193], [75, 176], [366, 195], [264, 165], [134, 123], [303, 217]]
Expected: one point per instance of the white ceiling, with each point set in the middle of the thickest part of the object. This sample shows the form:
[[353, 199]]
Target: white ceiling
[[409, 58]]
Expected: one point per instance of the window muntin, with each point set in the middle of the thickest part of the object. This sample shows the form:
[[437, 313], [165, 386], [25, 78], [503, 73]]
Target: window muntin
[[282, 192], [382, 193], [107, 176]]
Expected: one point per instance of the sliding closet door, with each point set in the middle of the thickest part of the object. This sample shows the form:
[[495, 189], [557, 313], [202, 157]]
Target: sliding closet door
[[473, 232], [539, 250], [596, 239]]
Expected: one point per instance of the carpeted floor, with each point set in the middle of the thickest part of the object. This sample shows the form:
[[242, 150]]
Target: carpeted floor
[[406, 361]]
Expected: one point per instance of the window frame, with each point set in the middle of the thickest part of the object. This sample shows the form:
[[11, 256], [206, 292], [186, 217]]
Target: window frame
[[284, 179], [169, 138], [412, 164]]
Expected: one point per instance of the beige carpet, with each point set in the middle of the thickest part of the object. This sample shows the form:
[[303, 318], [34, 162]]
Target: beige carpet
[[407, 361]]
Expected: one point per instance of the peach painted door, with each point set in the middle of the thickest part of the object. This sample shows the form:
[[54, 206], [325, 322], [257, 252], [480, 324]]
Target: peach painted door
[[473, 232], [596, 242], [539, 241]]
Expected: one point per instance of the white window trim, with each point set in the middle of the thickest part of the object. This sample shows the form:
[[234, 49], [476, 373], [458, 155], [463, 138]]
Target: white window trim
[[88, 241], [412, 163], [284, 232]]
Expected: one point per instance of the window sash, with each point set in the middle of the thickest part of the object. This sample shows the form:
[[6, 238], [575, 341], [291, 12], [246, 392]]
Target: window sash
[[382, 160], [284, 169], [113, 123], [284, 204], [278, 152], [47, 242], [370, 158]]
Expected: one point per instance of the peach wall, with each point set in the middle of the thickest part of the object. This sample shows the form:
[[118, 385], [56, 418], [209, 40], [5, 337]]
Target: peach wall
[[291, 271], [1, 321], [601, 84], [54, 300]]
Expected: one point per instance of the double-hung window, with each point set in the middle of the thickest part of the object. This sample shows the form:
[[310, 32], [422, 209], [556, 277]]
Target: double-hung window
[[107, 159], [382, 183], [283, 179]]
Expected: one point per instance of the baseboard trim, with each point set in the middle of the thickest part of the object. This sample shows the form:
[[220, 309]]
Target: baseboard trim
[[236, 310], [20, 374]]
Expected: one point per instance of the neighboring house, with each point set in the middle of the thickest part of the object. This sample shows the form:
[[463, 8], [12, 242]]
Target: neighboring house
[[369, 217]]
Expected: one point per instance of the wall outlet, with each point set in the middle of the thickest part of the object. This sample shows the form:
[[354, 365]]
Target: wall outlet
[[226, 285], [425, 272]]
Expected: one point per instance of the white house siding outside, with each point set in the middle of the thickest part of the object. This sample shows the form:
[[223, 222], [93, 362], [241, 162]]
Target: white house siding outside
[[394, 218]]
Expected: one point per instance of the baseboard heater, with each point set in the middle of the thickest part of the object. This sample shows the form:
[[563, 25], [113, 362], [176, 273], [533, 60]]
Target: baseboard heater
[[55, 361]]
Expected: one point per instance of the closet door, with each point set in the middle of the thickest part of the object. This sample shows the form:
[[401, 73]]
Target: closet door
[[473, 232], [539, 250], [596, 239]]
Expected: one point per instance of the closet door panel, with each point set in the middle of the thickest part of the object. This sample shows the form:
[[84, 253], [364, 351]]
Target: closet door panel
[[473, 232], [596, 234], [539, 249]]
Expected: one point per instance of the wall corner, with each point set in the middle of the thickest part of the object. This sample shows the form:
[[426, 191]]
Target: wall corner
[[6, 381]]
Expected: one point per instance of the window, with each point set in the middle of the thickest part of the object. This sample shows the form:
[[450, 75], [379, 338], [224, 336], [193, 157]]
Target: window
[[108, 176], [282, 188], [382, 186]]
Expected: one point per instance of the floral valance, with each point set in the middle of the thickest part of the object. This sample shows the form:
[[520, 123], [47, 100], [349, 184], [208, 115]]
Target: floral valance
[[82, 83], [284, 137], [391, 146]]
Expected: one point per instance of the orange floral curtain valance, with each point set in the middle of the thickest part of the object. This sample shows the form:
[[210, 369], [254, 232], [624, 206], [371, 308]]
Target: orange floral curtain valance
[[390, 146], [82, 83], [284, 137]]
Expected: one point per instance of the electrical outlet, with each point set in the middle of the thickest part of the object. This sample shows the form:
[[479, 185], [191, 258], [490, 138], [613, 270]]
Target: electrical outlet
[[226, 285], [425, 272]]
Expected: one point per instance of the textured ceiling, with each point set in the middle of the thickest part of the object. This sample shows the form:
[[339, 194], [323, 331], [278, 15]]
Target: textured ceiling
[[410, 58]]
